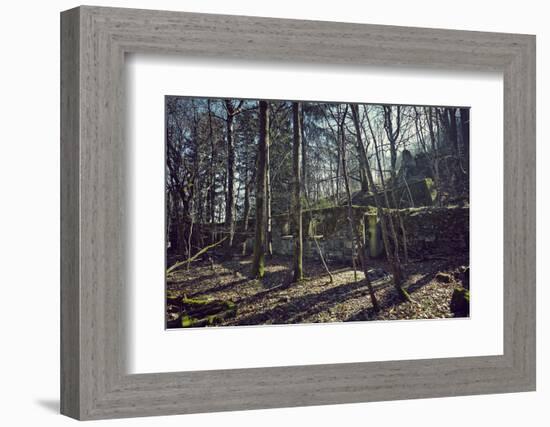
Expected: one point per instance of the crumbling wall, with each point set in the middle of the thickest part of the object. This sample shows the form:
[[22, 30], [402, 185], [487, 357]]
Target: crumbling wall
[[437, 230], [430, 231], [330, 227], [411, 194]]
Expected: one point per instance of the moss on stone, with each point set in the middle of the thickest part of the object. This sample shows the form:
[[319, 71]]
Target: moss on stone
[[187, 321]]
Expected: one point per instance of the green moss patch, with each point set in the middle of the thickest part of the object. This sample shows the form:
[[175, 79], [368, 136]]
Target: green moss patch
[[197, 312]]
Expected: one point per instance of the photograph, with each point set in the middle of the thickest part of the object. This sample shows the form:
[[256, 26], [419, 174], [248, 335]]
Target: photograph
[[293, 212]]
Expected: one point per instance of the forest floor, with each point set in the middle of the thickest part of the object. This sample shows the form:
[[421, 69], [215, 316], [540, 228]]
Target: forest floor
[[222, 293]]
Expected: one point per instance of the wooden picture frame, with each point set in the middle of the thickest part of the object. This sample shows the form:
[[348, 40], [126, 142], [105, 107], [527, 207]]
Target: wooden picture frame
[[94, 382]]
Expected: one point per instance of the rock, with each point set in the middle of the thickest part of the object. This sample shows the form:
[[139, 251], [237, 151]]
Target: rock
[[460, 302], [377, 274], [443, 277]]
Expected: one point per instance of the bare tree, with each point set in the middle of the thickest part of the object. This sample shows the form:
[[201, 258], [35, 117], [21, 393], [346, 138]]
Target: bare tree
[[304, 152], [465, 128], [249, 177], [258, 257], [231, 111], [393, 130], [361, 149], [393, 258], [269, 198], [355, 235], [296, 193]]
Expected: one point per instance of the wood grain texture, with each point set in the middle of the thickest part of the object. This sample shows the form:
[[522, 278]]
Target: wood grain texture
[[95, 236], [70, 297]]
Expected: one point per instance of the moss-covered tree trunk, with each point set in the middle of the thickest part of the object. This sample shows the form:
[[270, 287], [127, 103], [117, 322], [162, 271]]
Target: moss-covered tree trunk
[[258, 258], [297, 193]]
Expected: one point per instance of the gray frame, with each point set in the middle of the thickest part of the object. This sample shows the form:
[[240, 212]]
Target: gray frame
[[94, 383]]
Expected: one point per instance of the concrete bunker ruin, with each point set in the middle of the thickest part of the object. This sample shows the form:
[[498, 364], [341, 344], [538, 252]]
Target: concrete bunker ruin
[[429, 229]]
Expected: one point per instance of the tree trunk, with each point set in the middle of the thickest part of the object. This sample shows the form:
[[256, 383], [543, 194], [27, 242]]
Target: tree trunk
[[296, 194], [385, 191], [393, 258], [465, 128], [355, 235], [246, 213], [393, 132], [258, 258], [457, 169], [435, 154], [337, 179], [212, 184], [269, 246], [451, 115], [304, 154], [230, 191], [361, 150]]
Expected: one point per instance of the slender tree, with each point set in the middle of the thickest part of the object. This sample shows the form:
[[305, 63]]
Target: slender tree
[[258, 257], [393, 258], [361, 149], [428, 111], [393, 130], [231, 112], [355, 235], [296, 193], [465, 130], [212, 183], [269, 199]]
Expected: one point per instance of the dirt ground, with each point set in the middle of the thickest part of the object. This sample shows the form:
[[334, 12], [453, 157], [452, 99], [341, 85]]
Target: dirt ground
[[227, 288]]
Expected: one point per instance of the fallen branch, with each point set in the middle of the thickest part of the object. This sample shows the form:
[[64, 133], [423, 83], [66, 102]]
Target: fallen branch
[[194, 257]]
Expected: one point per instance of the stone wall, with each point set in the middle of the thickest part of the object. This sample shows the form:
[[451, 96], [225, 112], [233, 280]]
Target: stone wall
[[434, 230], [430, 231], [330, 227], [414, 193]]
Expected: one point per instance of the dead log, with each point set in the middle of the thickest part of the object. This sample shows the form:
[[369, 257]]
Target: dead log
[[194, 257]]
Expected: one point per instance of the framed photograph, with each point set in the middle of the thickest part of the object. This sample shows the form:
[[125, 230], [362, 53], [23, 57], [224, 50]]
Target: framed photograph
[[261, 213]]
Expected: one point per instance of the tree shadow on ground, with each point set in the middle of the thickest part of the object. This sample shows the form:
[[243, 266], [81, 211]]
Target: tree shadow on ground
[[392, 297], [218, 288], [186, 282], [423, 281], [276, 300], [298, 309], [389, 299], [208, 284]]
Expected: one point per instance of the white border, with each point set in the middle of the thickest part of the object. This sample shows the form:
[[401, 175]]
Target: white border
[[152, 349]]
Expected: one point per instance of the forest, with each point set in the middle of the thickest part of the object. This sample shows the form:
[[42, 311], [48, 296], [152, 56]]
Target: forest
[[282, 212]]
